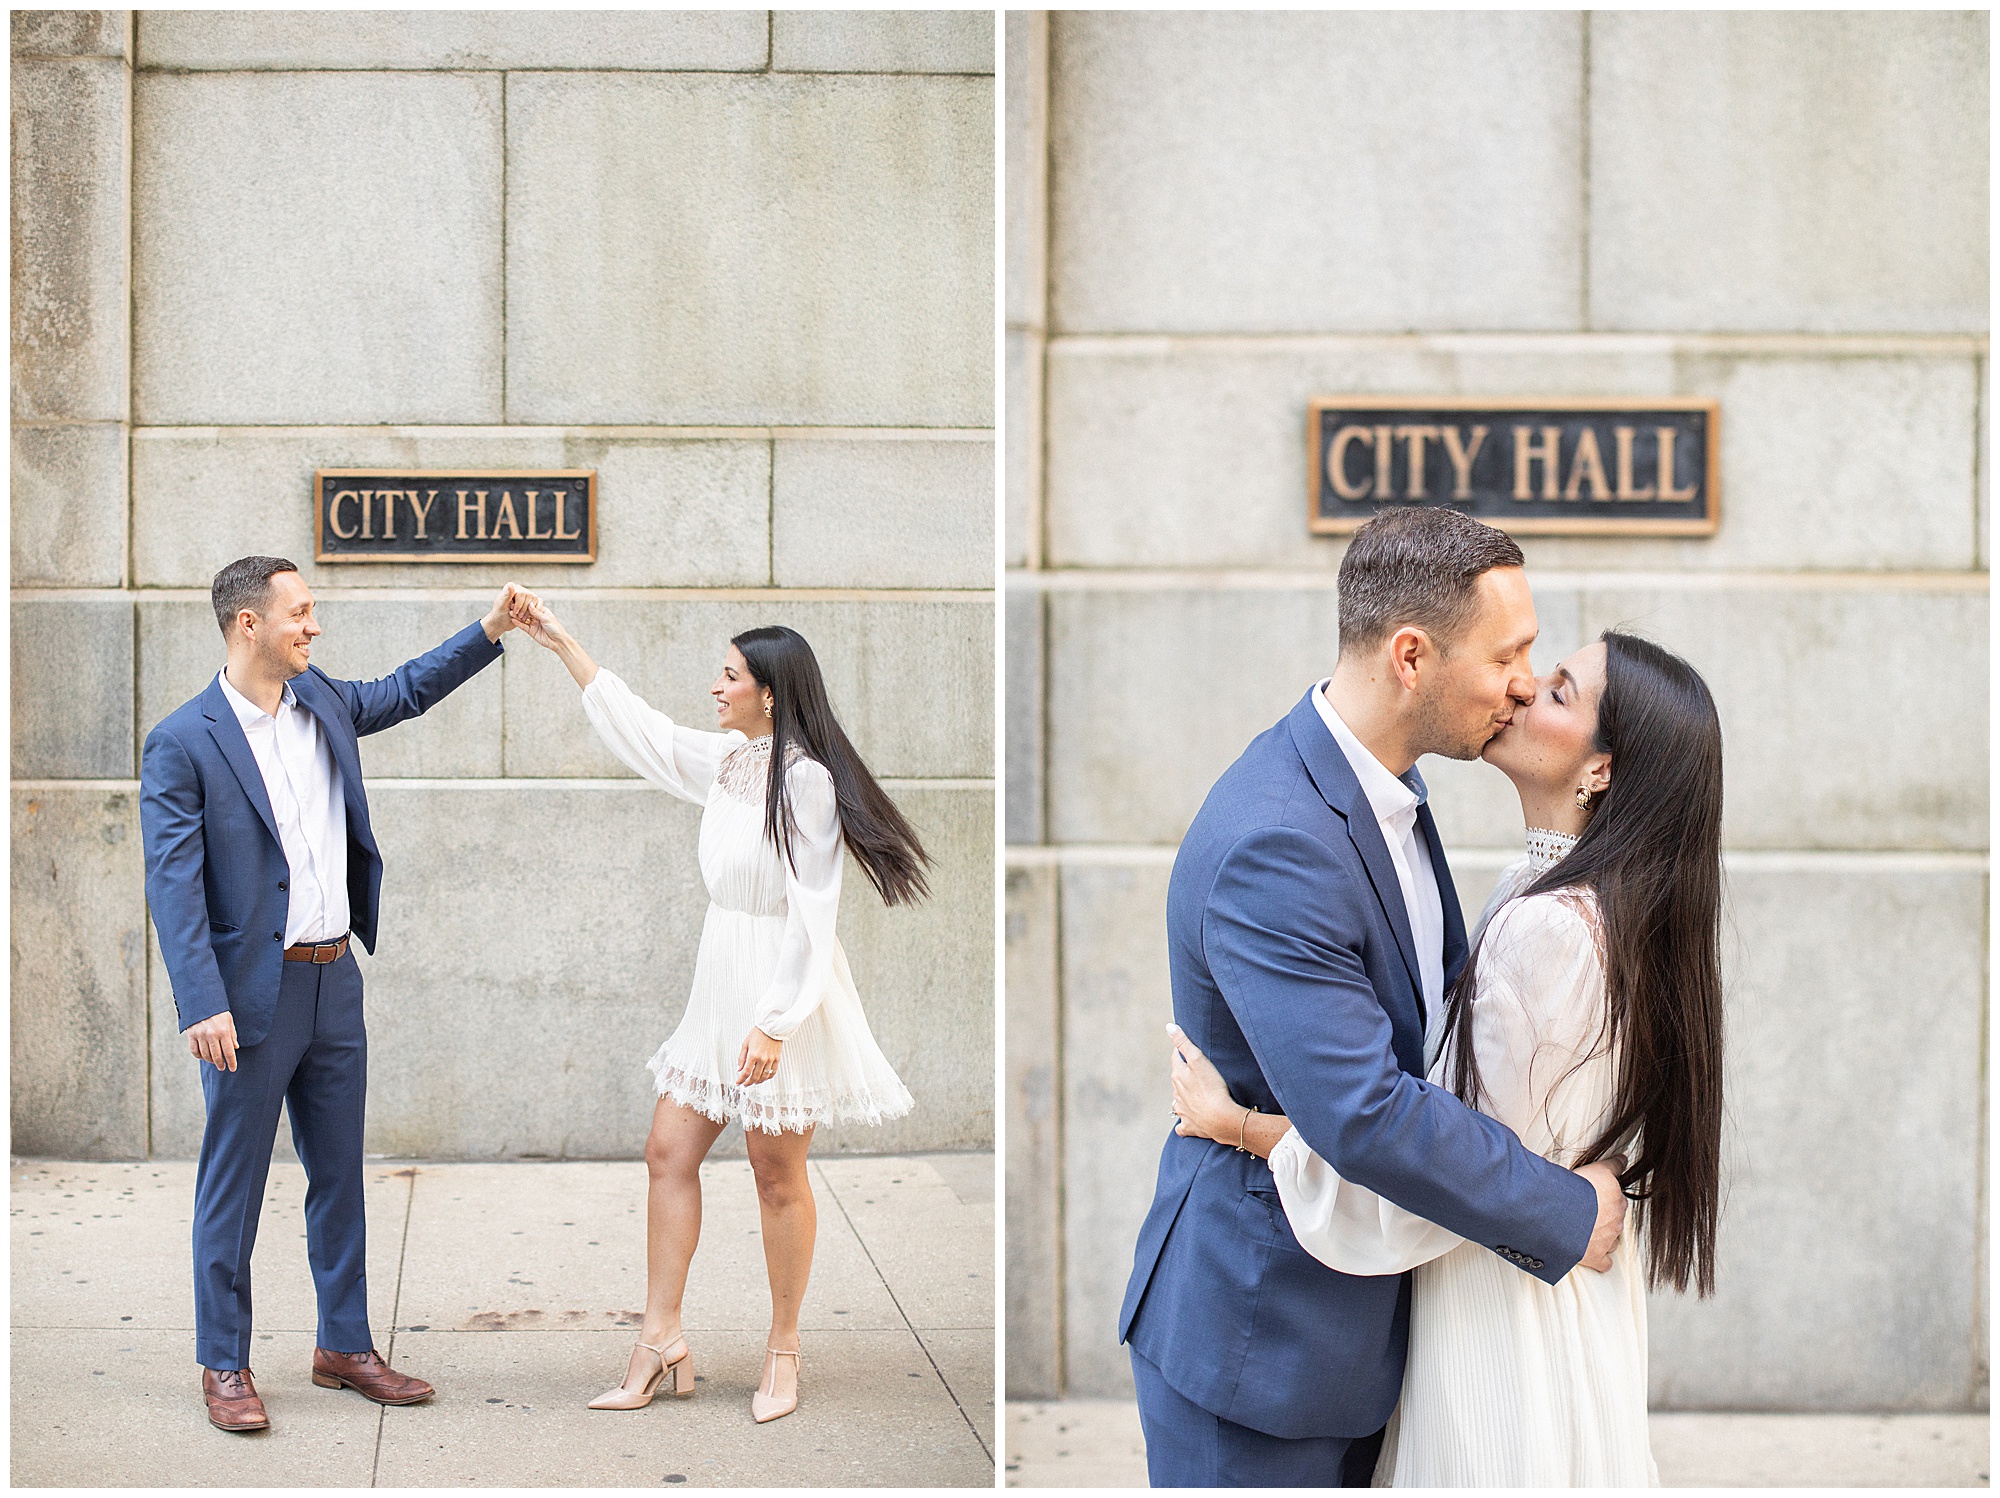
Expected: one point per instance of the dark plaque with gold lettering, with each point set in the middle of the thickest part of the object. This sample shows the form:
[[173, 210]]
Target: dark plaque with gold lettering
[[1558, 466], [452, 515]]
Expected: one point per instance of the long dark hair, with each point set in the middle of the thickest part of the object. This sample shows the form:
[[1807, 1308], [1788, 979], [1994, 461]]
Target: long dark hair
[[878, 835], [1651, 854]]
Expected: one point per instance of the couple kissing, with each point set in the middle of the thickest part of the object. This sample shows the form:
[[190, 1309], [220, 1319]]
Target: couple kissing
[[1397, 1234]]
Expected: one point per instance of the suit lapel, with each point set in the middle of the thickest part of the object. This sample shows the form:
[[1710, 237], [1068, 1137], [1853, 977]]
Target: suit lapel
[[1337, 784], [228, 736]]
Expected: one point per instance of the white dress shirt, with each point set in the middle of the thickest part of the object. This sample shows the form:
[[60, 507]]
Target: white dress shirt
[[304, 785], [1395, 800]]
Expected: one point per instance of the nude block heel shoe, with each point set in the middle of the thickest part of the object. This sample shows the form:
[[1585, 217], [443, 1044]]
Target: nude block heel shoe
[[769, 1406], [673, 1359]]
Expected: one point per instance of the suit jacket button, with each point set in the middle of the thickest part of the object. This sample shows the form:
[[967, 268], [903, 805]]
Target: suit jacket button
[[281, 884], [277, 936]]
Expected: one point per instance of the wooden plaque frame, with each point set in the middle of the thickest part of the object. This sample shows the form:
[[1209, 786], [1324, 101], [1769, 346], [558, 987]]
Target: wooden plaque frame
[[487, 553], [1585, 524]]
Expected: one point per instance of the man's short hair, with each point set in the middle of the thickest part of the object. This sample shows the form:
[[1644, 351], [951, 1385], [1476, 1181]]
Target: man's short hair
[[1417, 566], [244, 584]]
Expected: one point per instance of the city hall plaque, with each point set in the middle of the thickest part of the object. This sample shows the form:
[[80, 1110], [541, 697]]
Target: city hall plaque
[[1575, 467], [435, 515]]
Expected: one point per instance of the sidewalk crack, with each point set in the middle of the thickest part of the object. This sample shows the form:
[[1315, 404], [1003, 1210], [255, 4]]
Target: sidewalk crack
[[395, 1313], [957, 1403]]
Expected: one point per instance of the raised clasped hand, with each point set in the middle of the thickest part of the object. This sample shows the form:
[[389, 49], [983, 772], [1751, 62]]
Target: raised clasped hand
[[534, 618], [501, 617], [758, 1060]]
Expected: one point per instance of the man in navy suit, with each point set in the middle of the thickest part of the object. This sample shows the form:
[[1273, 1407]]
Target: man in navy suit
[[260, 867], [1311, 927]]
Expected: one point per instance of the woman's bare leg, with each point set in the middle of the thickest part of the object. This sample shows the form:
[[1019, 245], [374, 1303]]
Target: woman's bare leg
[[677, 1144], [785, 1203]]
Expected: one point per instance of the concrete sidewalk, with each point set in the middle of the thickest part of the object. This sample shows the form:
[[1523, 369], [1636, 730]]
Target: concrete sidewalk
[[516, 1289], [1095, 1443]]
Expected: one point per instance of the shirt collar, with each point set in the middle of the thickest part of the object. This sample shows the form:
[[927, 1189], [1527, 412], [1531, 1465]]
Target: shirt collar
[[1390, 796], [247, 712]]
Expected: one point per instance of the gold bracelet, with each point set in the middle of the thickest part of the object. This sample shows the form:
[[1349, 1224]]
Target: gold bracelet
[[1241, 1127]]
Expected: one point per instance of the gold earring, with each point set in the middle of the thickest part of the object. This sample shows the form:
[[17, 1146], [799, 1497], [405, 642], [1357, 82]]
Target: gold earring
[[1583, 798], [767, 707]]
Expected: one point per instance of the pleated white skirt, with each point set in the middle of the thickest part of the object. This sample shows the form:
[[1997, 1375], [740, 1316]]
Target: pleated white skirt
[[830, 1071], [1515, 1383]]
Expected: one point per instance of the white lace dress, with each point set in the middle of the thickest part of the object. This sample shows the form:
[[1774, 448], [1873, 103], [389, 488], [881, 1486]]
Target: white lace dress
[[1510, 1382], [768, 955]]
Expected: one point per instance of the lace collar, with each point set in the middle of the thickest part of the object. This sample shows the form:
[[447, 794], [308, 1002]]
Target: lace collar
[[746, 769], [1546, 848]]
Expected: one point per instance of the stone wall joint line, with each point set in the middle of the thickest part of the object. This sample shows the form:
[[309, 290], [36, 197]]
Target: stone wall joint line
[[1248, 579]]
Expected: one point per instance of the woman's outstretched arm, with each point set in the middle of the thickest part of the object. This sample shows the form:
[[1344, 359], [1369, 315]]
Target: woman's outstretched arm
[[677, 759], [538, 622]]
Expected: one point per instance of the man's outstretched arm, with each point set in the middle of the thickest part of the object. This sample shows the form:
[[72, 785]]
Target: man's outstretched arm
[[418, 685]]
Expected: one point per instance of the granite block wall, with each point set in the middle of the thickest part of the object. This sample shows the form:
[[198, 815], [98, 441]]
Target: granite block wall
[[740, 263], [1215, 217]]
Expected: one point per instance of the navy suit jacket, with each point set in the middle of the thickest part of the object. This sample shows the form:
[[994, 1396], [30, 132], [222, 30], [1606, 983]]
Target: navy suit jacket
[[1295, 971], [215, 870]]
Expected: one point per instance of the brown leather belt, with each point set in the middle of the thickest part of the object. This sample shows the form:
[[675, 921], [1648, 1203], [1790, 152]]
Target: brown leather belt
[[326, 951]]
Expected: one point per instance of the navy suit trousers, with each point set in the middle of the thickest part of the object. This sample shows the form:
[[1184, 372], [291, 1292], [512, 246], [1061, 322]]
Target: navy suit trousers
[[1188, 1447], [315, 1062]]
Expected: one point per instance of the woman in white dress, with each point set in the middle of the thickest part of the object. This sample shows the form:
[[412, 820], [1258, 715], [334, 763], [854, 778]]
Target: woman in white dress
[[773, 1034], [1588, 1019]]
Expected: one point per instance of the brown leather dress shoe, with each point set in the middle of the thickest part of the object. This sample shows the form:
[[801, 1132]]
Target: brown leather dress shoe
[[366, 1374], [232, 1400]]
